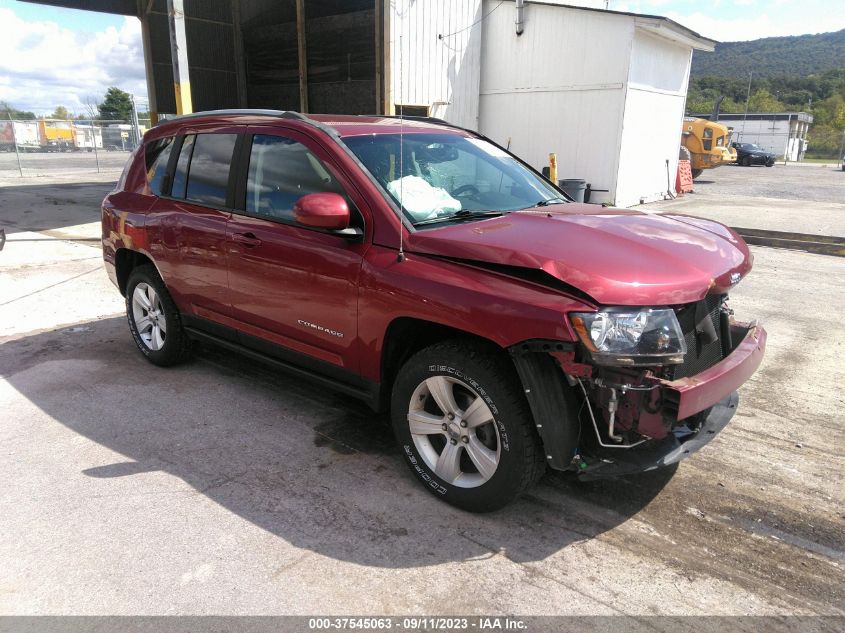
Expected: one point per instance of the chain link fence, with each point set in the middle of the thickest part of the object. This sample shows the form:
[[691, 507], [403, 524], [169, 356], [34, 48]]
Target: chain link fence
[[54, 147]]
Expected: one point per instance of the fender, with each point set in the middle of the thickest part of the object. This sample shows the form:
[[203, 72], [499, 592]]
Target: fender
[[554, 405]]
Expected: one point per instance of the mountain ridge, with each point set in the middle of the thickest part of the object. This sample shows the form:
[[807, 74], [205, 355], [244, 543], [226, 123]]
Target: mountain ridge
[[772, 56]]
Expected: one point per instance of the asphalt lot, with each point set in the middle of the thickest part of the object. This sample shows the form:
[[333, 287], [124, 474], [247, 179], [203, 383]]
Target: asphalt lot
[[801, 198], [220, 487]]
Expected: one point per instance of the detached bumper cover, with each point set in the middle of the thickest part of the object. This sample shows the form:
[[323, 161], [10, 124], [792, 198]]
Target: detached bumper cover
[[677, 446], [696, 393]]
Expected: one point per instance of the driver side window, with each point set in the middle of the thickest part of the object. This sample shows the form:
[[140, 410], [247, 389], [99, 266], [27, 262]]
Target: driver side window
[[281, 171]]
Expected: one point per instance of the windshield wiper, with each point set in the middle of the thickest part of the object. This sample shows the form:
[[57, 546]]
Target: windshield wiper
[[463, 214], [545, 203]]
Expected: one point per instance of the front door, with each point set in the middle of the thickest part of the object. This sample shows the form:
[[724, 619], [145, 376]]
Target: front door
[[289, 285]]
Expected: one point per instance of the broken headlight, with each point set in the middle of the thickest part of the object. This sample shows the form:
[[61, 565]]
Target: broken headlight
[[625, 336]]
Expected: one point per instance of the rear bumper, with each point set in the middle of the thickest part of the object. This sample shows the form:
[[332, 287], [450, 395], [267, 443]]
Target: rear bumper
[[696, 393], [676, 446]]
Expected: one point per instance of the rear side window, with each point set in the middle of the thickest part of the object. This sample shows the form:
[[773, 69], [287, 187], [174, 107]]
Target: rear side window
[[157, 156], [281, 171], [208, 177]]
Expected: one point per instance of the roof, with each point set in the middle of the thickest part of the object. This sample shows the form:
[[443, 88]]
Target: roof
[[759, 116], [657, 24], [335, 124]]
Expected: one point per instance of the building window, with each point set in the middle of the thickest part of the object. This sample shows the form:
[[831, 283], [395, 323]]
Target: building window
[[411, 110]]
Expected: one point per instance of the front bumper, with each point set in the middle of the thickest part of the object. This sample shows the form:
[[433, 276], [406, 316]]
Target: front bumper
[[696, 393], [670, 450], [715, 387]]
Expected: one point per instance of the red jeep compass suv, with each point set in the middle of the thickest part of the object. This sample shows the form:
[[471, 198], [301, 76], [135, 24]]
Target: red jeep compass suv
[[423, 268]]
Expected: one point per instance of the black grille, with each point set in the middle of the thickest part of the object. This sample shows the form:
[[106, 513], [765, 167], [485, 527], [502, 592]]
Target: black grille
[[701, 354]]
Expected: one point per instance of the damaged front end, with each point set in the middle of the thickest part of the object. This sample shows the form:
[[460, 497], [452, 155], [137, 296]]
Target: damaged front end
[[646, 388]]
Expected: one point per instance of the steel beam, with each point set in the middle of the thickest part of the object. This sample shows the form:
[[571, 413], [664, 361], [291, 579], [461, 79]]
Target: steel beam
[[303, 58], [179, 54]]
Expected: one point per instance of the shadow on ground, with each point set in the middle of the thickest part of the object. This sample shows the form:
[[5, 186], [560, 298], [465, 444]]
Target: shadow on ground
[[45, 207], [316, 469]]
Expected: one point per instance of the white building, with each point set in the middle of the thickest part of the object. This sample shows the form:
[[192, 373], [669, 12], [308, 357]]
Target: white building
[[782, 133], [603, 90]]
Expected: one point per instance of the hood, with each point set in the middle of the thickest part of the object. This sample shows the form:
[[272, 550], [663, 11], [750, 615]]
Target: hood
[[616, 256]]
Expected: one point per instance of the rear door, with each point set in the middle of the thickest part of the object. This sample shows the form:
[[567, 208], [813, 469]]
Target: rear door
[[189, 220], [290, 285]]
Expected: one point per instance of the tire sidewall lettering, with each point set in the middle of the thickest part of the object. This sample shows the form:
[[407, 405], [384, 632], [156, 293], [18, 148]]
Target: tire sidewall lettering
[[440, 370], [424, 475]]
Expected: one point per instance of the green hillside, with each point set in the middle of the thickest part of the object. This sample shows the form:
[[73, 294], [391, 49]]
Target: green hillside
[[800, 55]]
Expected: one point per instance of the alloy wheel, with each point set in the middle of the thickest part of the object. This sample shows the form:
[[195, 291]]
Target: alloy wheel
[[454, 431], [148, 314]]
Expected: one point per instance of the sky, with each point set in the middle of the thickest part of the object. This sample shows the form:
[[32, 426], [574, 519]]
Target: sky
[[51, 56]]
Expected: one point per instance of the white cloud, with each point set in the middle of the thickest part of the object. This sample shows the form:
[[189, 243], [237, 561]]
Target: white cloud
[[43, 65], [737, 29]]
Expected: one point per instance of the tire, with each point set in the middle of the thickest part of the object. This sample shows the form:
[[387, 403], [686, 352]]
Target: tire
[[684, 154], [746, 161], [696, 173], [161, 339], [491, 460]]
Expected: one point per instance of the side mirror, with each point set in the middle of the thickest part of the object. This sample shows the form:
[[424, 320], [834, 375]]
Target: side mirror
[[322, 211]]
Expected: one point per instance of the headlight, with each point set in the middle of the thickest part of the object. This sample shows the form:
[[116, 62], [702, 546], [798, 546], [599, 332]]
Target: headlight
[[621, 336]]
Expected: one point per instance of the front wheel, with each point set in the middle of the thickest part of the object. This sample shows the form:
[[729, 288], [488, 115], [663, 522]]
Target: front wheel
[[464, 426], [696, 173]]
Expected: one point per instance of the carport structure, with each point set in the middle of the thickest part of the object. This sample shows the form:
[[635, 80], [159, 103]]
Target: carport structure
[[604, 90], [307, 55]]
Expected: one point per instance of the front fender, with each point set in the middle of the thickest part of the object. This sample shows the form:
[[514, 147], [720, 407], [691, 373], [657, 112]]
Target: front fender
[[490, 305]]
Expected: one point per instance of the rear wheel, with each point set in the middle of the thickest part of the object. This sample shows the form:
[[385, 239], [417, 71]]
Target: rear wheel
[[696, 173], [154, 319], [746, 161], [464, 426]]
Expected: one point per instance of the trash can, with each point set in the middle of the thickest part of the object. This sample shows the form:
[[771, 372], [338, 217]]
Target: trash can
[[575, 187]]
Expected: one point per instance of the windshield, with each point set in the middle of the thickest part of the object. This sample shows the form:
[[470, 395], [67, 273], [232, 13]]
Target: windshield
[[750, 146], [446, 177]]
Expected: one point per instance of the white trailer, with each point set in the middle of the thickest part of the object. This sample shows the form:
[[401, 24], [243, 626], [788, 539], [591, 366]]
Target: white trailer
[[87, 137], [26, 136]]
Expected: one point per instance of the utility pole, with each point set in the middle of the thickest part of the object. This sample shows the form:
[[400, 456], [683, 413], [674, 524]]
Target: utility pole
[[15, 141], [747, 98], [179, 55], [136, 129]]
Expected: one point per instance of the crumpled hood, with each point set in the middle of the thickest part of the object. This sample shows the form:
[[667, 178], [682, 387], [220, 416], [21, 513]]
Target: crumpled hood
[[616, 256]]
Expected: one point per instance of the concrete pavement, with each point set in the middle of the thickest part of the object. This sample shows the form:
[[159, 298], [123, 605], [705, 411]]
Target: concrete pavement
[[221, 487]]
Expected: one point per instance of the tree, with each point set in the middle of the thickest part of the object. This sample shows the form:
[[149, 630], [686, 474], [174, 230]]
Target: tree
[[8, 112], [60, 113], [763, 101], [116, 105]]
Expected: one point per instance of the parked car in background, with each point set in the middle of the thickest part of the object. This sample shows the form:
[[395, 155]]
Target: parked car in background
[[748, 154], [430, 272]]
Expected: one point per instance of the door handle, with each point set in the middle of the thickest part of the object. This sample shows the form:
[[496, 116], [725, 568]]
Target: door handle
[[247, 239]]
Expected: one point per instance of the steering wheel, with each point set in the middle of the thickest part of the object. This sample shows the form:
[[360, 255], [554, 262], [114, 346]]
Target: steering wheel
[[465, 189]]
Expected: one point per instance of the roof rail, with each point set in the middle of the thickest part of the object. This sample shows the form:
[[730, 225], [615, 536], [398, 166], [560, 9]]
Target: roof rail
[[284, 114], [281, 114]]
